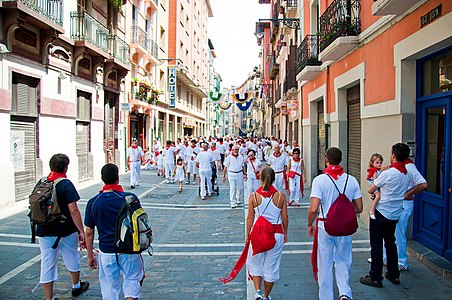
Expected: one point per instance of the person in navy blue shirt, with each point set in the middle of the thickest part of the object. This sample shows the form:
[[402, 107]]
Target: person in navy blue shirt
[[101, 212]]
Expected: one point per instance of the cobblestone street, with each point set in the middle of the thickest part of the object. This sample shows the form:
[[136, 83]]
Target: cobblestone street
[[195, 243]]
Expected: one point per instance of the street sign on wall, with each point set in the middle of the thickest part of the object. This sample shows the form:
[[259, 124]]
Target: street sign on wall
[[172, 87], [125, 106]]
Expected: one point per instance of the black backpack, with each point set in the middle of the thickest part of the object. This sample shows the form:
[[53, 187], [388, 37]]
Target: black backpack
[[133, 232], [44, 207]]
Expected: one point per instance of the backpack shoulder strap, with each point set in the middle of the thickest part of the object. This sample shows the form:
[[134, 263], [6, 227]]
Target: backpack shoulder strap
[[257, 205], [345, 186], [335, 185]]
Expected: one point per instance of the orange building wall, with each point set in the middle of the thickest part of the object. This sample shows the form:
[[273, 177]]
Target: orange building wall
[[172, 29], [379, 57]]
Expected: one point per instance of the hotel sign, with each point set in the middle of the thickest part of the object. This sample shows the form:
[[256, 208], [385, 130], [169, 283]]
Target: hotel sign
[[172, 87]]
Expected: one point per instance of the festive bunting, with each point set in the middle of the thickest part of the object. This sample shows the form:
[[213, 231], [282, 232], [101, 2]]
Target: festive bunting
[[241, 98], [224, 106], [244, 106], [215, 96]]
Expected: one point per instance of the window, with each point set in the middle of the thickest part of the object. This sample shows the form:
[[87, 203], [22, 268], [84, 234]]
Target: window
[[182, 14], [83, 106]]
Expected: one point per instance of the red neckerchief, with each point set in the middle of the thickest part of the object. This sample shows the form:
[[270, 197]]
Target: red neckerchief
[[266, 194], [408, 161], [235, 155], [179, 164], [213, 148], [221, 143], [167, 147], [399, 166], [193, 146], [296, 160], [252, 158], [112, 187], [157, 153], [55, 175], [334, 171], [371, 172], [134, 147], [274, 154]]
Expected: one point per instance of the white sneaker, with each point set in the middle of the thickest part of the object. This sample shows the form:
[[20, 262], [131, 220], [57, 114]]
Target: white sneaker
[[258, 295], [233, 206], [187, 182], [194, 182]]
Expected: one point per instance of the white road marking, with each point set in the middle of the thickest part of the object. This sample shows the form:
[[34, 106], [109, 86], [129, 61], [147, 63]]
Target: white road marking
[[19, 269]]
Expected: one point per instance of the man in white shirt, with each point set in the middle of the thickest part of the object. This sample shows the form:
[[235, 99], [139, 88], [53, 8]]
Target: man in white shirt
[[190, 156], [393, 184], [278, 162], [222, 148], [216, 154], [156, 150], [235, 167], [169, 155], [205, 162], [243, 150], [180, 149], [333, 249], [134, 159]]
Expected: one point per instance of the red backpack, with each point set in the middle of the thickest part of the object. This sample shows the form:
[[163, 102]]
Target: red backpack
[[341, 218]]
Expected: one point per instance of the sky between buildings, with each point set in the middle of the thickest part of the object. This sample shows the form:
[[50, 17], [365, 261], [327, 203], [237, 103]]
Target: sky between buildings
[[232, 33]]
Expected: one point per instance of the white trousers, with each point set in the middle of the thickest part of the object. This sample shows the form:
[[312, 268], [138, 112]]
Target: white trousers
[[205, 176], [252, 184], [294, 186], [236, 186], [400, 233], [131, 267], [169, 170], [191, 167], [266, 264], [68, 247], [279, 182], [337, 250], [135, 169]]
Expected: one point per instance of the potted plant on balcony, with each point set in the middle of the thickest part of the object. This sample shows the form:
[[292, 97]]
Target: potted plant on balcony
[[153, 95]]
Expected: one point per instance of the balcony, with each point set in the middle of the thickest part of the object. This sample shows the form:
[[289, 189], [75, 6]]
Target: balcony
[[274, 68], [340, 26], [308, 58], [47, 13], [392, 7], [291, 8], [154, 50], [88, 32], [120, 51], [139, 40]]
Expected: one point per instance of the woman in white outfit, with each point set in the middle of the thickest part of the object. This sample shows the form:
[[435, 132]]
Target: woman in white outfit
[[296, 170], [271, 204], [253, 169]]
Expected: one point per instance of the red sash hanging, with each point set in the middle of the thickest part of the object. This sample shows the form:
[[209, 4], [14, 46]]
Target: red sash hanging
[[238, 265], [315, 245]]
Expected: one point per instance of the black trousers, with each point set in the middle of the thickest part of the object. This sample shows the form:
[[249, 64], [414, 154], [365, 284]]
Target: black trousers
[[382, 229]]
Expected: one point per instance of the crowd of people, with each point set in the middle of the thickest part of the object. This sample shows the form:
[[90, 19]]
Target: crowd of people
[[274, 172]]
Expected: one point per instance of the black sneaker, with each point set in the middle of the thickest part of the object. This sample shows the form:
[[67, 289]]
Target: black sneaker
[[83, 287], [367, 280], [393, 280]]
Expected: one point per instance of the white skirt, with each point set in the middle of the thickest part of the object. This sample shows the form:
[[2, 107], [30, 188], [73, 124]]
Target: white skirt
[[179, 176], [266, 264]]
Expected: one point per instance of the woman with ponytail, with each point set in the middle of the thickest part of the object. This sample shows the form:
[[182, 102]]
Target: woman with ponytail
[[271, 204]]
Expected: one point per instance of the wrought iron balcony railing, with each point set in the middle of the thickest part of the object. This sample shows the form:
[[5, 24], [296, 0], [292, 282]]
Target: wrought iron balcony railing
[[291, 3], [274, 68], [154, 51], [51, 9], [85, 28], [140, 37], [341, 18], [120, 49], [308, 52]]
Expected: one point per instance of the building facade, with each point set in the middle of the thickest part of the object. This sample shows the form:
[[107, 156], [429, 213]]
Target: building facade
[[374, 73]]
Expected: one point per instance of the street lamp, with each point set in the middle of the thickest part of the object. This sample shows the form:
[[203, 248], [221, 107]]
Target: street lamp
[[292, 23]]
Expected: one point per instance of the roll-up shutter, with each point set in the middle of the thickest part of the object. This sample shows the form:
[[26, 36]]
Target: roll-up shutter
[[354, 133], [321, 138], [23, 156], [82, 151]]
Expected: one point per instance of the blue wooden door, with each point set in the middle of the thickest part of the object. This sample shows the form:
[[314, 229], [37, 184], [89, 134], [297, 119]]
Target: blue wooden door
[[433, 213]]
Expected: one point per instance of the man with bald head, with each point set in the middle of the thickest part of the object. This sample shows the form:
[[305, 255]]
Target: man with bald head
[[278, 163], [235, 167], [205, 162]]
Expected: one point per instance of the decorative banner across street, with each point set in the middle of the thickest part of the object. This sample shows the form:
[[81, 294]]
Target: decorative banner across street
[[224, 106], [215, 96], [241, 98], [244, 106]]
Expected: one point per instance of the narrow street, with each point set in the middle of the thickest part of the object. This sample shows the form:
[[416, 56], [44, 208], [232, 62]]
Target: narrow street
[[195, 243]]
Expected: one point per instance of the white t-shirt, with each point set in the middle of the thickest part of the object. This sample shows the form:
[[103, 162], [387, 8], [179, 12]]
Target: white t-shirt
[[277, 163], [190, 153], [393, 185], [415, 177], [181, 148], [222, 148], [324, 189], [135, 154], [250, 171], [243, 150], [215, 154], [168, 155], [234, 164], [205, 160]]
